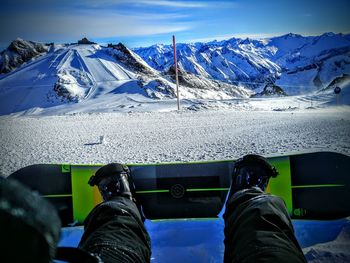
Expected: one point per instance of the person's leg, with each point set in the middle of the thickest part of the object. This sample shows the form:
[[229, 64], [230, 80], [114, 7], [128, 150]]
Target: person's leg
[[257, 225], [258, 229], [114, 230]]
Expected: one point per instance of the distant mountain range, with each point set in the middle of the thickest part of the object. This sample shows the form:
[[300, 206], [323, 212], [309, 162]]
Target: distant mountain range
[[46, 75], [298, 64]]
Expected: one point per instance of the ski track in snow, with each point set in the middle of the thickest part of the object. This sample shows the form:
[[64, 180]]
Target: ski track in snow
[[169, 136]]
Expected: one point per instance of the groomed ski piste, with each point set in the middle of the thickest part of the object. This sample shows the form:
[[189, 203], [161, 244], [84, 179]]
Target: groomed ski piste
[[140, 129]]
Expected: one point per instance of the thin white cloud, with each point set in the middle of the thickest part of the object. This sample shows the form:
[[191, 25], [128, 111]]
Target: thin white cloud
[[270, 35], [100, 19], [172, 3], [187, 4], [88, 23], [162, 3], [249, 35], [159, 16], [159, 3], [208, 39], [257, 35], [228, 36]]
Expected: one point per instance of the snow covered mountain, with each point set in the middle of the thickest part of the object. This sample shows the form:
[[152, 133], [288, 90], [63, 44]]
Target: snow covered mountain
[[88, 77], [271, 90], [297, 64], [105, 78], [18, 52]]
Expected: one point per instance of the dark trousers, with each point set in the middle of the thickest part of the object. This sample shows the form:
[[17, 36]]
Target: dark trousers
[[257, 229], [114, 231]]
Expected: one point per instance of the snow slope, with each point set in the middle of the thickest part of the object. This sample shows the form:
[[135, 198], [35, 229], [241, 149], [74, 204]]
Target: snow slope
[[89, 78], [19, 52], [76, 72], [169, 136], [298, 64], [92, 77]]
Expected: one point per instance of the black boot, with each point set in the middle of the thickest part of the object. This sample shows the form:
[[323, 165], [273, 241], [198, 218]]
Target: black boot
[[113, 180], [251, 171]]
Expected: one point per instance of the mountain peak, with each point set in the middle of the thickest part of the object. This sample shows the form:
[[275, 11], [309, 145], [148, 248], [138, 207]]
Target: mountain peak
[[291, 35], [246, 41], [329, 34], [18, 52], [271, 90], [129, 58]]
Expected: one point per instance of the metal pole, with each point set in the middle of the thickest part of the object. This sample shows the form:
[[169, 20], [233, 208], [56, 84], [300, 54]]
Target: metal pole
[[176, 74]]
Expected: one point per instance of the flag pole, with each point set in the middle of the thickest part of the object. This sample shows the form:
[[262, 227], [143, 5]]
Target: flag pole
[[176, 74]]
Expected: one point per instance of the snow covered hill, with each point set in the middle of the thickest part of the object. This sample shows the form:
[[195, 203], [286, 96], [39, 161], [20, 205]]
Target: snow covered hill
[[297, 64], [226, 61], [72, 73], [19, 52], [58, 79], [95, 77]]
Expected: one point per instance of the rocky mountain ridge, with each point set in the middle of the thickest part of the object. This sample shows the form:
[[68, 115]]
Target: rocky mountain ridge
[[19, 52], [47, 75], [82, 73], [296, 63]]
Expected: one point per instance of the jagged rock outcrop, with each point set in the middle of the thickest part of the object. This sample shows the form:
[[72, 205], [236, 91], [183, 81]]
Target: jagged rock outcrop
[[85, 41], [130, 59], [157, 88], [200, 85], [291, 61], [19, 52], [271, 90], [337, 82]]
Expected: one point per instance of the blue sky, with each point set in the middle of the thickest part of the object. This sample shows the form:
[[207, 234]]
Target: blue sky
[[146, 22]]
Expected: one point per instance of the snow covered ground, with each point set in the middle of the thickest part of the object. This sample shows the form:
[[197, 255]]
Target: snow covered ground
[[199, 241], [169, 136], [207, 130]]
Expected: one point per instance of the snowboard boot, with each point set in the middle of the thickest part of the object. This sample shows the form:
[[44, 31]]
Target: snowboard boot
[[251, 171], [113, 180]]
